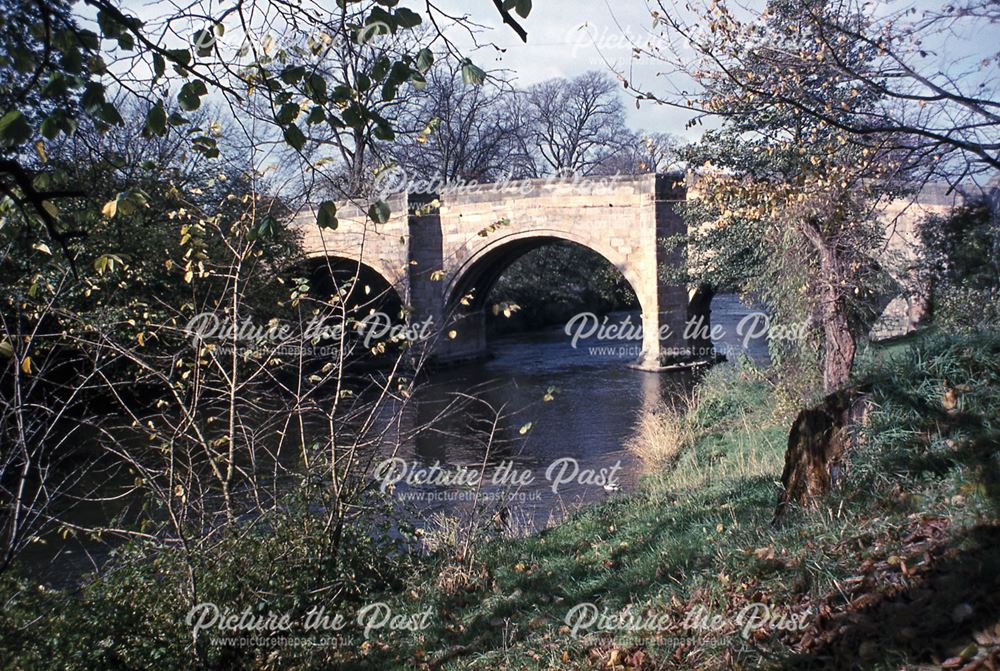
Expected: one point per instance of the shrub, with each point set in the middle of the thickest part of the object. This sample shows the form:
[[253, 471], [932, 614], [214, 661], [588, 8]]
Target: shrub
[[133, 613]]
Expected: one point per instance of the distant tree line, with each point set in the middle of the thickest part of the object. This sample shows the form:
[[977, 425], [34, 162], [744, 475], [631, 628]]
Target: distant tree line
[[561, 126]]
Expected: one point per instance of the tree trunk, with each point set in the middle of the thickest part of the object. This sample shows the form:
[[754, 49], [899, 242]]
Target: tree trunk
[[820, 435], [839, 345]]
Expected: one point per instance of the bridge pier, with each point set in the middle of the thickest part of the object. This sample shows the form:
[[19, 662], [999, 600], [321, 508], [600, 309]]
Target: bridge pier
[[464, 338], [665, 305]]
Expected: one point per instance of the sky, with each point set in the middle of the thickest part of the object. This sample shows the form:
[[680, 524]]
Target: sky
[[565, 38], [569, 37]]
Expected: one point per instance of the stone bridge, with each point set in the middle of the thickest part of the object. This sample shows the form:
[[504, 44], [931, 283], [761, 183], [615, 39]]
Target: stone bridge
[[442, 254]]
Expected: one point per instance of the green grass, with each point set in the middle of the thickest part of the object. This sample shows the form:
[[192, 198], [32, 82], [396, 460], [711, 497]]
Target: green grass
[[700, 534]]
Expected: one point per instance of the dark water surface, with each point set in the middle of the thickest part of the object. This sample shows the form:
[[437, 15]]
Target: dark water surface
[[595, 399]]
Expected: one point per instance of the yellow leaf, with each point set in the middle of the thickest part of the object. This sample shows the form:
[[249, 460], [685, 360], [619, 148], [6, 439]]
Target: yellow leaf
[[525, 429], [26, 365], [42, 247], [950, 400], [110, 208]]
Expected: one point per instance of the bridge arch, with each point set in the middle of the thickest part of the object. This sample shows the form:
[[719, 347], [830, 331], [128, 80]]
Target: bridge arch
[[487, 263], [376, 288]]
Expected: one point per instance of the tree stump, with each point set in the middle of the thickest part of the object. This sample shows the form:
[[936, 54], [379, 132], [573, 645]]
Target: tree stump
[[817, 443]]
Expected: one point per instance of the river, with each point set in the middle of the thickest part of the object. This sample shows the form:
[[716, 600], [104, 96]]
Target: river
[[568, 415]]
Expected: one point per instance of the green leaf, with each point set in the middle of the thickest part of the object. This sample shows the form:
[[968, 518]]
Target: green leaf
[[294, 137], [425, 59], [316, 88], [51, 126], [327, 216], [376, 23], [93, 97], [179, 56], [379, 212], [159, 66], [203, 41], [471, 73], [14, 129], [206, 146], [407, 18], [292, 74], [316, 115], [156, 119], [265, 228], [523, 8], [109, 27], [57, 86], [381, 68], [399, 73], [287, 114], [126, 42], [109, 113], [88, 39], [354, 116], [190, 95], [383, 131]]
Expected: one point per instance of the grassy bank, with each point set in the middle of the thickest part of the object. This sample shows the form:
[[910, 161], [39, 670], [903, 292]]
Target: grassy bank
[[900, 567]]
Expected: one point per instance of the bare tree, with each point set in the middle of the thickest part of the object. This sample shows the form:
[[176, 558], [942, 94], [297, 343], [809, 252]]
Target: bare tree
[[578, 124], [464, 132], [642, 153]]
